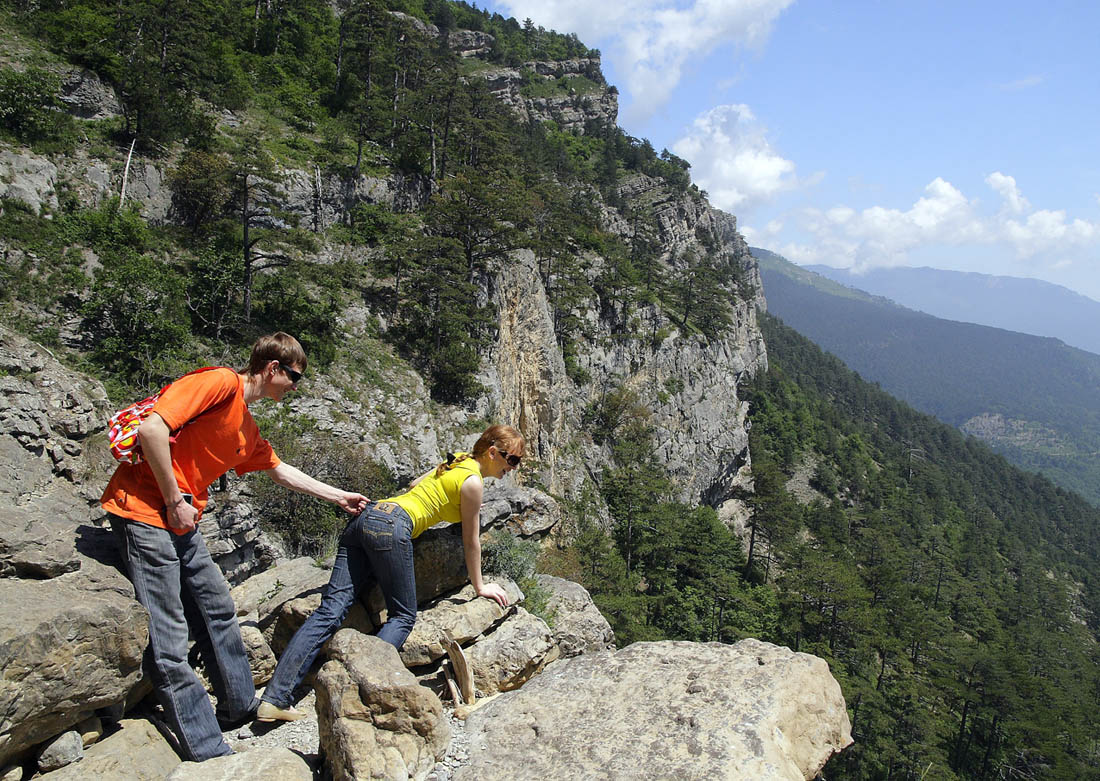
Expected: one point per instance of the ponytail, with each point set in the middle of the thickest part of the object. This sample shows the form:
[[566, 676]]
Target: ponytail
[[452, 459], [504, 437]]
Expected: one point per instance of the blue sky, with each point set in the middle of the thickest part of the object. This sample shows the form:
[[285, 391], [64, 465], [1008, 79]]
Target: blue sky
[[958, 135]]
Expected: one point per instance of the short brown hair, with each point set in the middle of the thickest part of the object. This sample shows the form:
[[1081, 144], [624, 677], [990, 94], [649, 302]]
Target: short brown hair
[[281, 347]]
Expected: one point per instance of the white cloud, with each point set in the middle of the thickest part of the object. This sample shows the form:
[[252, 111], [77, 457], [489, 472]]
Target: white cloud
[[1006, 187], [943, 216], [651, 41], [732, 160]]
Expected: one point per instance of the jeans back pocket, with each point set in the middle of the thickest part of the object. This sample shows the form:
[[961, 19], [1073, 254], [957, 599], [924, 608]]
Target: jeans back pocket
[[377, 531]]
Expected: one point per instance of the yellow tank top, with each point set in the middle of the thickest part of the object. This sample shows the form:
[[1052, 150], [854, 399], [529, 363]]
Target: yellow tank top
[[435, 499]]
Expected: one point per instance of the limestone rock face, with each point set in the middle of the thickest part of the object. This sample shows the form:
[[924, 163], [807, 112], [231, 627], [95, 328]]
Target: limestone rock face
[[275, 763], [136, 752], [67, 646], [318, 200], [579, 627], [375, 720], [517, 649], [572, 111], [47, 416], [27, 177], [86, 96], [464, 615], [665, 710]]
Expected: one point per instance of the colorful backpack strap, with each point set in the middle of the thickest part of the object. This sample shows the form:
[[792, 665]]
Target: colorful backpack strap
[[122, 428]]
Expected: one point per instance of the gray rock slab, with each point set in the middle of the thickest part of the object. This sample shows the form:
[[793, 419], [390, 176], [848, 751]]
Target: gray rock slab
[[266, 592], [576, 623], [268, 764], [136, 752], [525, 512], [519, 648], [464, 615], [680, 710], [439, 562]]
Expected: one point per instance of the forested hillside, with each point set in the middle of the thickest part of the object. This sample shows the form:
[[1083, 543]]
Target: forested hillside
[[439, 203], [957, 595], [1033, 399], [1029, 306]]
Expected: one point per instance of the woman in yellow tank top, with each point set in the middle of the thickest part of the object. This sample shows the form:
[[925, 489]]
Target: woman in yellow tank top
[[377, 548]]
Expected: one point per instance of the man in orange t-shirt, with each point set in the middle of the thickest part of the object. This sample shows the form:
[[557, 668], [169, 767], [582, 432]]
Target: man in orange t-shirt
[[155, 506]]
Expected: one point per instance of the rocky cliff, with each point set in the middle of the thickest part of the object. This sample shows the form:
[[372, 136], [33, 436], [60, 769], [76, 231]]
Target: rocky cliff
[[584, 95]]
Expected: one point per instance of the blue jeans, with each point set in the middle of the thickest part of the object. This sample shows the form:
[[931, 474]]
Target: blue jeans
[[375, 547], [180, 585]]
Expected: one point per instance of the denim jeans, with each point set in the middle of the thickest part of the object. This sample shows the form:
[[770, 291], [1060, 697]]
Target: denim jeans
[[375, 547], [180, 585]]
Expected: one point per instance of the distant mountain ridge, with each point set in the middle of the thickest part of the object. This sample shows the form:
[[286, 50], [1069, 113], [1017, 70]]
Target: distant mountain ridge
[[1032, 398], [1028, 306]]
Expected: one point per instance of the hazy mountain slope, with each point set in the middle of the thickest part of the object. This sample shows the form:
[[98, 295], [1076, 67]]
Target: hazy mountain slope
[[1029, 306], [1034, 399]]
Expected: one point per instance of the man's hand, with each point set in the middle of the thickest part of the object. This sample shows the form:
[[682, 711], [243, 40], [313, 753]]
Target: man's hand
[[352, 503], [493, 591], [181, 516]]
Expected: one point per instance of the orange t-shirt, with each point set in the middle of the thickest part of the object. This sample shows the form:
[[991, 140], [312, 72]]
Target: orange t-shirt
[[206, 448]]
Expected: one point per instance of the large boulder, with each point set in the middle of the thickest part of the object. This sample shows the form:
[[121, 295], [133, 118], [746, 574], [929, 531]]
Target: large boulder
[[665, 710], [295, 612], [136, 752], [68, 645], [265, 593], [374, 719], [439, 562], [576, 623], [27, 177], [517, 649], [275, 763], [525, 512], [463, 615]]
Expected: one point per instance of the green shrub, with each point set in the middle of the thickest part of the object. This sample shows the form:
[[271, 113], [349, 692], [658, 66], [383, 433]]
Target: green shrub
[[29, 104], [136, 319], [505, 554], [309, 526]]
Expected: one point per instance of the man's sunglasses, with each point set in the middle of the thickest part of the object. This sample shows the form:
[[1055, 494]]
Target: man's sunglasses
[[293, 375], [512, 459]]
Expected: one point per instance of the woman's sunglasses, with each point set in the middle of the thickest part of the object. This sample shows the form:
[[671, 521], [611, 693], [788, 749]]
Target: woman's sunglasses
[[512, 459]]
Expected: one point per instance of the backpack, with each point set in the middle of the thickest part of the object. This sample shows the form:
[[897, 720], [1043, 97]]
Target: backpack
[[122, 428]]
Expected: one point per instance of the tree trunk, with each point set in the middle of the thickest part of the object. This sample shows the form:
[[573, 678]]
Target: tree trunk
[[246, 256]]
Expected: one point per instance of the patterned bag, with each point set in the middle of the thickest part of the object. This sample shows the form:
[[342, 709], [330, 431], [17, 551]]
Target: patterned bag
[[122, 428]]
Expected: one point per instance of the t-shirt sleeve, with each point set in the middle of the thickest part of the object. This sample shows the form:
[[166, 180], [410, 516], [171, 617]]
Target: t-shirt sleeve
[[262, 457], [191, 395]]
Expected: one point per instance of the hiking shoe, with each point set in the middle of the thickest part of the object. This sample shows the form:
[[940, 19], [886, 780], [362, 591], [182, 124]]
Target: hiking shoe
[[269, 712]]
